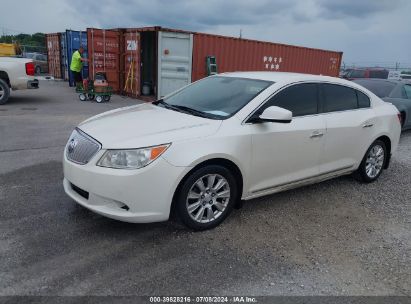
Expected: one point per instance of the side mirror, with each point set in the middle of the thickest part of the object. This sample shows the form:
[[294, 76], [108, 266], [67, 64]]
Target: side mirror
[[273, 114]]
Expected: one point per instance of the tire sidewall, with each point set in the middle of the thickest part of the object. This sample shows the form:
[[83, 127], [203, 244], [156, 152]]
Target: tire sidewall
[[362, 169], [6, 91], [188, 183]]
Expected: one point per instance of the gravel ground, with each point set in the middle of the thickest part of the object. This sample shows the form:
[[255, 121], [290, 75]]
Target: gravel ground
[[338, 237]]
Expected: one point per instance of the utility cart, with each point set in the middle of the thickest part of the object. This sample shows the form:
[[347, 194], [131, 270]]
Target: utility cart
[[97, 89]]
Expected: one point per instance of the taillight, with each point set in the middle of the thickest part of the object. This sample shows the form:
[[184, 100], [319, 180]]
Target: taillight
[[30, 68]]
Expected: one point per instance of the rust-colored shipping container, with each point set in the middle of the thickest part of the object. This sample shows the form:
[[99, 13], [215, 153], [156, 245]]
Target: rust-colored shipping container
[[236, 54], [104, 49], [53, 54]]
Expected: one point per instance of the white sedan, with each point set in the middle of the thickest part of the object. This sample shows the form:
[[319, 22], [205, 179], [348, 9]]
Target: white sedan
[[223, 139]]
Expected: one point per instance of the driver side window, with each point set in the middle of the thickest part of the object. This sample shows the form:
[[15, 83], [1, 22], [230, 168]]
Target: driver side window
[[300, 99]]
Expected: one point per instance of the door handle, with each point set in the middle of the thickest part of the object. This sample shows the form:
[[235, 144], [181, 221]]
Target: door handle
[[367, 125], [316, 134]]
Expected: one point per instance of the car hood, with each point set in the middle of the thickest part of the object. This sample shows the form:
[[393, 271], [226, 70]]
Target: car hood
[[146, 125]]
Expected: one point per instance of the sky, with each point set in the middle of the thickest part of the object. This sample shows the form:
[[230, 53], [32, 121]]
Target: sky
[[369, 32]]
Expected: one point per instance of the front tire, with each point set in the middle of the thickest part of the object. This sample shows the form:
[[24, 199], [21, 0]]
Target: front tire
[[373, 162], [207, 197], [4, 92]]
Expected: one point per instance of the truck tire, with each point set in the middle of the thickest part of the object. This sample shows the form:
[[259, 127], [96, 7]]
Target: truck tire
[[4, 92]]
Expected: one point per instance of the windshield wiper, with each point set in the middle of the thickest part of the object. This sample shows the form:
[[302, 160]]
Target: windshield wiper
[[192, 111], [182, 109]]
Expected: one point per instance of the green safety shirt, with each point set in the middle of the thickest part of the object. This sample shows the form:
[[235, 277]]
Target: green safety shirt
[[76, 63]]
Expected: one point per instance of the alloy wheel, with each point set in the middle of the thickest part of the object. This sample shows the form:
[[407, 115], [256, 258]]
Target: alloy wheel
[[208, 198], [375, 161]]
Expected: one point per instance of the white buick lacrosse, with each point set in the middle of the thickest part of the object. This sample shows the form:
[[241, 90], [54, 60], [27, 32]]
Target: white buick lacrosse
[[223, 139]]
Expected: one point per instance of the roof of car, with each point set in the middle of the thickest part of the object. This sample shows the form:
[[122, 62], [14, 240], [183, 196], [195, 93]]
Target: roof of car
[[274, 76], [284, 77]]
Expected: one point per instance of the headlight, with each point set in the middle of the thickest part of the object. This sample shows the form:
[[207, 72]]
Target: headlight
[[131, 159]]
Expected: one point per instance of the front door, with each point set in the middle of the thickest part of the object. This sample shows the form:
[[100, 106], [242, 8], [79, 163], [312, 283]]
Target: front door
[[284, 153]]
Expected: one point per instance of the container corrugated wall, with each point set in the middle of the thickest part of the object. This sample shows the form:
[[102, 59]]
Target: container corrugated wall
[[235, 54], [104, 47], [53, 54], [64, 59], [73, 41]]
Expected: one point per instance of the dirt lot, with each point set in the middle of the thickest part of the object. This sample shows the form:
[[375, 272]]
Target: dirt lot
[[334, 238]]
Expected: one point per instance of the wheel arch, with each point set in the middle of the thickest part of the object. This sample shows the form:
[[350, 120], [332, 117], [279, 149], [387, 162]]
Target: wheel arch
[[387, 141], [4, 76], [220, 161]]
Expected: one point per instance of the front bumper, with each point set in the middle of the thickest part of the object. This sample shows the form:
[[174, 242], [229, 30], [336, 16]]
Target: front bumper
[[136, 196]]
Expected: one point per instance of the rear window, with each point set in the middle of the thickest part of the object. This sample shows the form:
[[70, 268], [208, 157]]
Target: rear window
[[363, 100], [379, 88], [338, 98]]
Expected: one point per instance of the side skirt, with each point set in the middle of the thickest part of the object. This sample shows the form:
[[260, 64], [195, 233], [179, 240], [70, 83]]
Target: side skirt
[[300, 183]]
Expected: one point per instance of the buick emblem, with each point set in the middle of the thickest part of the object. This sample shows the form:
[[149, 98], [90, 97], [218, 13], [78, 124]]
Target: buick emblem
[[72, 144]]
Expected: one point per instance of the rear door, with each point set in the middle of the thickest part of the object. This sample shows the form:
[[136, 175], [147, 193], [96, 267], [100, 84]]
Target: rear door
[[174, 61], [350, 123]]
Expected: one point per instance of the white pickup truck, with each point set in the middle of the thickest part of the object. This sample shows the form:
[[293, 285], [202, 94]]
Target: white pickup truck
[[16, 74]]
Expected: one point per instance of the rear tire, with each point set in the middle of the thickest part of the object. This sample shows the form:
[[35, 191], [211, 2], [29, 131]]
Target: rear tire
[[206, 197], [99, 99], [4, 92], [373, 162]]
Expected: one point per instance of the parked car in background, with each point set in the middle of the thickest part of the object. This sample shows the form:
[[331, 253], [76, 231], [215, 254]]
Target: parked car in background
[[394, 91], [40, 62], [16, 74], [225, 138], [367, 73]]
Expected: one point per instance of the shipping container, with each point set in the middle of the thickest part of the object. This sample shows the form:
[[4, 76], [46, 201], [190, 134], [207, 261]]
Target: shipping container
[[182, 57], [64, 59], [236, 54], [53, 54], [104, 48], [73, 41]]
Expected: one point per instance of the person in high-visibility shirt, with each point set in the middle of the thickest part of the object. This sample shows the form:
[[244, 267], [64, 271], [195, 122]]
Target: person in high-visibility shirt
[[77, 64]]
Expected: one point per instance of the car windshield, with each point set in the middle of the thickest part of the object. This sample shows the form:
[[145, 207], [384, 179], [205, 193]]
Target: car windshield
[[216, 97], [379, 88]]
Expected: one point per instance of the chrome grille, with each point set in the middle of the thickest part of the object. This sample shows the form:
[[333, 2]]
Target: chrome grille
[[81, 148]]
